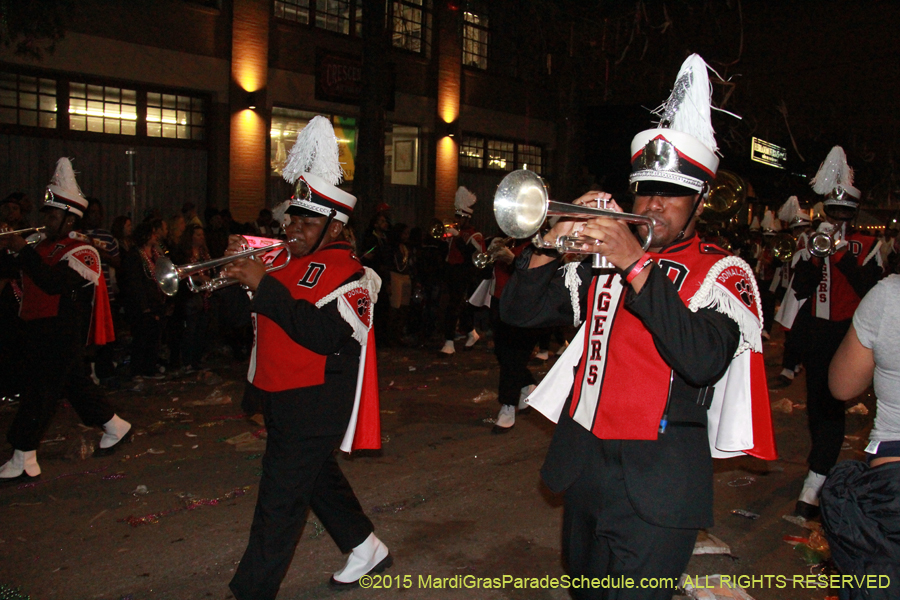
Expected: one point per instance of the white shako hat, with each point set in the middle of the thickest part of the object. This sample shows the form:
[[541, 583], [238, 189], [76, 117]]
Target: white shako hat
[[768, 223], [754, 224], [313, 166], [464, 202], [678, 158], [63, 191], [791, 214], [834, 180]]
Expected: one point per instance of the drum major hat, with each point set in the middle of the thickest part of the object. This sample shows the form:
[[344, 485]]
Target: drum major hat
[[834, 181], [313, 166], [63, 191], [678, 158]]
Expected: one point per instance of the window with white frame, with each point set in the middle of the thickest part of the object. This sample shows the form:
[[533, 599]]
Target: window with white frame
[[471, 152]]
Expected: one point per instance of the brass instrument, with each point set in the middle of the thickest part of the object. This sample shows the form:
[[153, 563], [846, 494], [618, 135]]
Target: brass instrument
[[522, 204], [439, 231], [168, 275], [483, 259], [783, 246], [825, 243], [96, 243], [727, 195], [24, 232]]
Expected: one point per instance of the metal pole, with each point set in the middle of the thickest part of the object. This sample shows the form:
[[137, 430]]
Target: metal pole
[[132, 184]]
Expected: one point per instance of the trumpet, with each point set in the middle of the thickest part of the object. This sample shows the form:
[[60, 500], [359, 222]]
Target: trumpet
[[167, 275], [483, 259], [825, 243], [439, 231], [96, 243], [24, 232], [522, 203]]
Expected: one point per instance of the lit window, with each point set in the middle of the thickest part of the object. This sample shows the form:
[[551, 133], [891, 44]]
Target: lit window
[[102, 109], [175, 116], [471, 152], [410, 24], [292, 10], [475, 40], [287, 123], [333, 15], [27, 101], [529, 157], [500, 155]]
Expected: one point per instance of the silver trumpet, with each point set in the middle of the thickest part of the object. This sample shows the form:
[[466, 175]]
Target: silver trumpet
[[522, 204], [825, 243], [483, 259], [24, 232], [167, 275]]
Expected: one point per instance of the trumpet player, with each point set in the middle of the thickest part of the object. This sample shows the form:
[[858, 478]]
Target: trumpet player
[[818, 309], [64, 307], [463, 242], [313, 343], [631, 453]]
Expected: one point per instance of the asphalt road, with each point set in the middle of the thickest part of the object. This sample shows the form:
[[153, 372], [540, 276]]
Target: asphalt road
[[168, 516]]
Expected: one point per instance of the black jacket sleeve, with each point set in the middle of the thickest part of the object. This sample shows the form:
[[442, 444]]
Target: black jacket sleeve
[[321, 330], [861, 278], [54, 280], [698, 345], [539, 297]]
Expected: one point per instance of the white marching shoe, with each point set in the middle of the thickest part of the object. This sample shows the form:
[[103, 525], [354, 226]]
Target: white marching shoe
[[448, 348], [505, 420], [372, 556], [471, 339], [115, 431], [22, 466], [526, 391], [808, 503]]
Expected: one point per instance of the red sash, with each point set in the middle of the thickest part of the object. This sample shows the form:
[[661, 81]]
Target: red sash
[[615, 341]]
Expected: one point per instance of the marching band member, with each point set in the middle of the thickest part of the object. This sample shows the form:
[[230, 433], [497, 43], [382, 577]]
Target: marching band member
[[819, 308], [464, 242], [64, 307], [313, 369], [670, 346]]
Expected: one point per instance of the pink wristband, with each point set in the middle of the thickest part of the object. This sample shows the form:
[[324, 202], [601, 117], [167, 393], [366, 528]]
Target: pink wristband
[[639, 266]]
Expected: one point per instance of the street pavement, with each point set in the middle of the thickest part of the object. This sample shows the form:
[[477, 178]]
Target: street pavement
[[169, 514]]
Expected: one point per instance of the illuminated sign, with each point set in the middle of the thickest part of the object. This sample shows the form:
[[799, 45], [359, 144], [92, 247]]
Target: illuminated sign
[[767, 153]]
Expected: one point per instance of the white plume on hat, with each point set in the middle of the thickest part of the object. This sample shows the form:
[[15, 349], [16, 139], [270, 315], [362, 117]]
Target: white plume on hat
[[768, 222], [316, 151], [789, 209], [63, 189], [688, 106], [834, 172], [464, 200], [754, 224], [279, 213]]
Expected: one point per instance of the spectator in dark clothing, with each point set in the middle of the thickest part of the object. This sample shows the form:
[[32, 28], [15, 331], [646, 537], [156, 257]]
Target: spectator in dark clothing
[[144, 301]]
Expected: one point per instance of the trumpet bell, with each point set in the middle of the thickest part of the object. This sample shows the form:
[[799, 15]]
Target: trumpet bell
[[166, 276], [521, 203]]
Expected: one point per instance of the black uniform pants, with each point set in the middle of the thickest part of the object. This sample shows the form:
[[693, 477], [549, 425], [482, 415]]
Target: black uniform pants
[[820, 340], [459, 284], [54, 367], [512, 346], [604, 538], [299, 473]]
